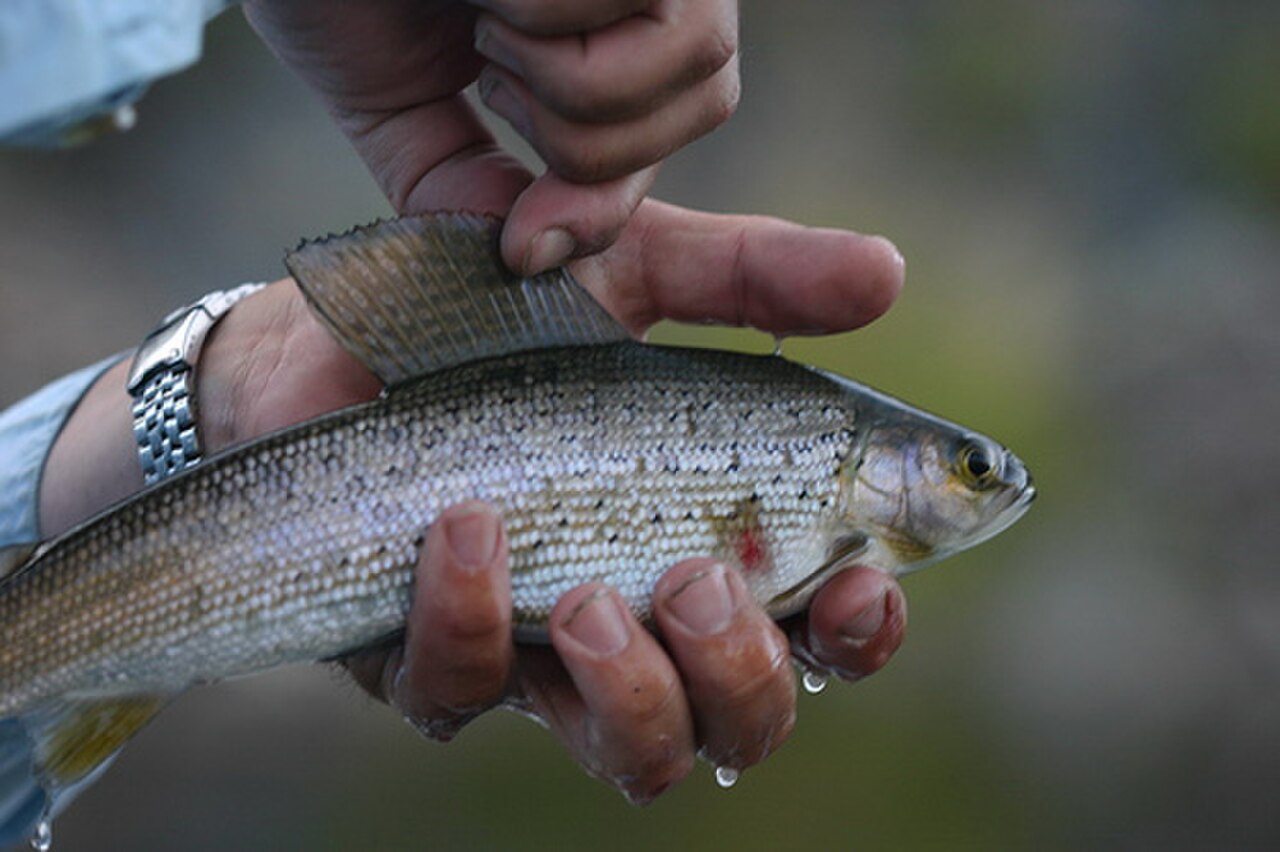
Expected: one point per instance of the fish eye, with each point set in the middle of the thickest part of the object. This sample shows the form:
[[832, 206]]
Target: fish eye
[[977, 467]]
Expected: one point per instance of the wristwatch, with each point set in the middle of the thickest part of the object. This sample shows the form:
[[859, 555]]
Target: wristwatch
[[161, 382]]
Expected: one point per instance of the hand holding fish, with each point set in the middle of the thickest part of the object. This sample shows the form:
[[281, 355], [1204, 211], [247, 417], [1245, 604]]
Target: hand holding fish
[[603, 90], [727, 690], [603, 118]]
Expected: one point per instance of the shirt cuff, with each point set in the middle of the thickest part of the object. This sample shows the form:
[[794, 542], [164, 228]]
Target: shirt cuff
[[27, 432], [63, 63]]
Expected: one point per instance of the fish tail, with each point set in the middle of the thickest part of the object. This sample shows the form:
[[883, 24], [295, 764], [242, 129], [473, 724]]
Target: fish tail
[[48, 756]]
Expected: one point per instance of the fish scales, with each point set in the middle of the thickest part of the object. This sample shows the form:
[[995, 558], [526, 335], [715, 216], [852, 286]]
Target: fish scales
[[609, 463]]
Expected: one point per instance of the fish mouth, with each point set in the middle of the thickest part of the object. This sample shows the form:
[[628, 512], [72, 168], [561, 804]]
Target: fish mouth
[[1020, 500]]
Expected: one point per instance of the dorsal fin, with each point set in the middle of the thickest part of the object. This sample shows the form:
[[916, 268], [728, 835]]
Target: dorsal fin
[[416, 295]]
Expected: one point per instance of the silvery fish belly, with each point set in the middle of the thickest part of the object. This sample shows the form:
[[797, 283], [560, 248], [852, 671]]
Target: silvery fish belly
[[609, 459]]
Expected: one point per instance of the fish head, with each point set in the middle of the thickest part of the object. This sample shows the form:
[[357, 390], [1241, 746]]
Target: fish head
[[913, 489], [921, 488]]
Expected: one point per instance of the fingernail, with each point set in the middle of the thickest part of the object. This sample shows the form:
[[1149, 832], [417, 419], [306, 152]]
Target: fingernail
[[703, 603], [549, 249], [472, 535], [867, 623], [492, 48], [394, 675], [482, 37], [486, 83], [598, 623]]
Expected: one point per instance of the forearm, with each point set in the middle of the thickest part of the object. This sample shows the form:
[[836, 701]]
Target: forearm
[[93, 463], [27, 431]]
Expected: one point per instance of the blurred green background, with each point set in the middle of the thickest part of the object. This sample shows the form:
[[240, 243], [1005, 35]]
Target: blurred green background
[[1088, 197]]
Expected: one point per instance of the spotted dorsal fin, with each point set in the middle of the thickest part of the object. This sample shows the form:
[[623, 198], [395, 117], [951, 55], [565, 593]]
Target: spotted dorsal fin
[[416, 295]]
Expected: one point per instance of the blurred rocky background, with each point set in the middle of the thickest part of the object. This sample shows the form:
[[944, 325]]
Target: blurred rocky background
[[1088, 196]]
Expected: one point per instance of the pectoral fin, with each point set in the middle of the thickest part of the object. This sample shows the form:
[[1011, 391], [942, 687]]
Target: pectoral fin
[[844, 551], [50, 755], [73, 739]]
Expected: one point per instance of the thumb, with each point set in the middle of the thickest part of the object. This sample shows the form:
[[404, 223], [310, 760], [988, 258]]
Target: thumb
[[555, 220]]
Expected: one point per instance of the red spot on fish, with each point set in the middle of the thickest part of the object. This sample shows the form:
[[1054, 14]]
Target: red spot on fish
[[753, 550]]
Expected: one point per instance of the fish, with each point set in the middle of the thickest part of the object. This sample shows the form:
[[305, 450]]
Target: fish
[[609, 459]]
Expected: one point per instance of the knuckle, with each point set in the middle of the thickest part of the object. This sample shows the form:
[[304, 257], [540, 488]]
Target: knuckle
[[454, 693], [724, 100], [756, 744], [765, 676], [652, 702], [586, 99], [473, 682], [714, 50], [586, 163], [474, 622]]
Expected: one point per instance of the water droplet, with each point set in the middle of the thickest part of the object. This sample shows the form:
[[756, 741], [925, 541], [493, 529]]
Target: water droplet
[[813, 682], [726, 776], [42, 839]]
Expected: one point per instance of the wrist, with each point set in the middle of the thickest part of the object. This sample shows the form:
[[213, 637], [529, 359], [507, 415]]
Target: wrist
[[266, 365], [270, 364]]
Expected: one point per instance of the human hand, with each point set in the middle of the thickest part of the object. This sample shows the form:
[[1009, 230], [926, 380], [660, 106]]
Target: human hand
[[603, 90], [632, 708]]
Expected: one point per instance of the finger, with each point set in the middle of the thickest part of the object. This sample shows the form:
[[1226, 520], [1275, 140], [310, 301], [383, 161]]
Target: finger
[[855, 624], [673, 263], [734, 660], [619, 708], [436, 156], [554, 220], [562, 17], [621, 71], [587, 153], [458, 649], [391, 74]]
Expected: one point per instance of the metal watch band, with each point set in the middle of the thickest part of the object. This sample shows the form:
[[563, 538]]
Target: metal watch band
[[164, 424], [162, 384]]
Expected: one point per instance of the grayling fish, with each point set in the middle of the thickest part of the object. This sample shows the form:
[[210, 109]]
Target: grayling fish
[[609, 459]]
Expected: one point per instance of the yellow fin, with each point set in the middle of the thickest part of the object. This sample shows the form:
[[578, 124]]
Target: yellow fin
[[417, 295], [48, 756], [72, 740]]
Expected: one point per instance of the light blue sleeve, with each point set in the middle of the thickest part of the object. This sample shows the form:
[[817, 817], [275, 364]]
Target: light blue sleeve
[[27, 431], [68, 64]]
